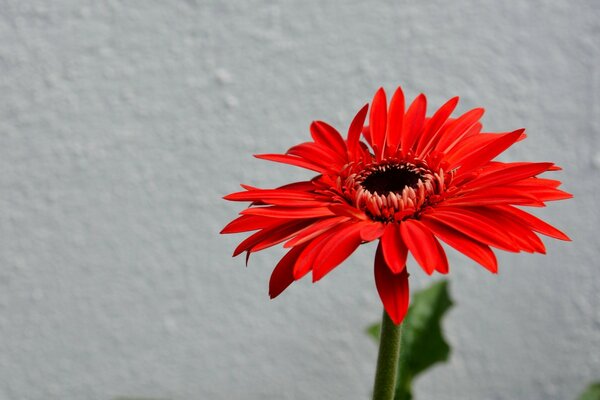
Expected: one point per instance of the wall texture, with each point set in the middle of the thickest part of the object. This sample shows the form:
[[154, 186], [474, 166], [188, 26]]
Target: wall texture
[[122, 123]]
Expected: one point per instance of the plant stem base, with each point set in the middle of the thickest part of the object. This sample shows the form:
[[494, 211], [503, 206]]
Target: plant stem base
[[387, 360]]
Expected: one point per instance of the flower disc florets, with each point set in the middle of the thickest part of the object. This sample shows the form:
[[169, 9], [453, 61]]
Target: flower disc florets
[[393, 190]]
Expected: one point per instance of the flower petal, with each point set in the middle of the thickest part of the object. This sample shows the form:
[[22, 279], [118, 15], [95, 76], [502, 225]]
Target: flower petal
[[315, 229], [327, 136], [474, 225], [318, 154], [253, 195], [336, 248], [247, 223], [291, 160], [392, 288], [394, 248], [288, 212], [487, 152], [509, 174], [272, 235], [305, 186], [395, 118], [520, 233], [348, 211], [354, 131], [535, 223], [473, 143], [432, 127], [371, 230], [495, 195], [457, 129], [423, 246], [305, 261], [541, 193], [283, 274], [377, 122], [464, 244], [413, 122], [441, 267], [537, 181]]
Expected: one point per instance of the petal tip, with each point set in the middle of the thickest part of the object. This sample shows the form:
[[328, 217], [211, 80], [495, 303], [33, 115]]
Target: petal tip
[[396, 319], [315, 277]]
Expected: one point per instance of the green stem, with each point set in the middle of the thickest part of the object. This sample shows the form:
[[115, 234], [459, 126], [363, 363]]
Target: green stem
[[387, 360]]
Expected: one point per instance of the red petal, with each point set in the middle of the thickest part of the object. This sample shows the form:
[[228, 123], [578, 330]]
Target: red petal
[[523, 236], [317, 154], [395, 118], [271, 236], [442, 267], [308, 259], [378, 121], [337, 247], [355, 130], [487, 152], [536, 224], [495, 195], [392, 288], [246, 223], [394, 248], [471, 145], [509, 174], [304, 186], [291, 203], [347, 211], [432, 127], [457, 129], [469, 247], [371, 230], [474, 225], [314, 230], [328, 136], [541, 193], [283, 274], [413, 122], [476, 130], [423, 246], [365, 153], [253, 195], [536, 181], [305, 261], [291, 160], [288, 212], [520, 233]]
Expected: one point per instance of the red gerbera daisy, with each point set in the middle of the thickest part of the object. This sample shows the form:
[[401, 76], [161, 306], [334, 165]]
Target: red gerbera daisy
[[412, 181]]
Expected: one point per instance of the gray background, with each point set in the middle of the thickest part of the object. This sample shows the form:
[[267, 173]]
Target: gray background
[[122, 123]]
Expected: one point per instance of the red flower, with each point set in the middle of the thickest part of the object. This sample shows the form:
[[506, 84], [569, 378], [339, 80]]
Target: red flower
[[414, 181]]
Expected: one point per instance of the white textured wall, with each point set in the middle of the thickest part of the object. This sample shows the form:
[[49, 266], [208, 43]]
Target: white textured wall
[[122, 123]]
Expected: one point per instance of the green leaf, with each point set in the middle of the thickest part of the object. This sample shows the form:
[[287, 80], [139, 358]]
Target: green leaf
[[591, 393], [374, 331], [422, 344]]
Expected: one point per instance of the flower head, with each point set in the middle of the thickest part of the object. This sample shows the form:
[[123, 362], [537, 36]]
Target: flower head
[[408, 182]]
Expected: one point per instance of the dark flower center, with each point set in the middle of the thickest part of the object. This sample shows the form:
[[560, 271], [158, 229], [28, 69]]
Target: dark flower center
[[391, 179]]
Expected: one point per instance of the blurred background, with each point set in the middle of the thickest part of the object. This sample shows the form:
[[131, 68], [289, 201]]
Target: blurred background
[[123, 123]]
